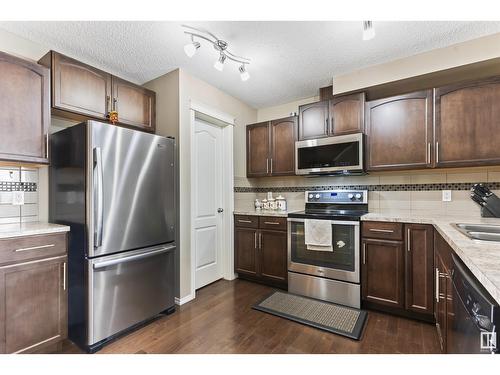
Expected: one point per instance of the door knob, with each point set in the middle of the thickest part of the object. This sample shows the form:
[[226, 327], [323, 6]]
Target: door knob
[[219, 210]]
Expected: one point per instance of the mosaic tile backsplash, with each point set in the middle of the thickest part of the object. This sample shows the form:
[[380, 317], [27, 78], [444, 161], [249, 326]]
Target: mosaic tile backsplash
[[18, 179], [404, 192]]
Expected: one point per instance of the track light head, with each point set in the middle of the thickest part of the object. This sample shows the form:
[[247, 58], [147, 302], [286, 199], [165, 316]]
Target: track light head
[[219, 64], [243, 73], [191, 48], [368, 30]]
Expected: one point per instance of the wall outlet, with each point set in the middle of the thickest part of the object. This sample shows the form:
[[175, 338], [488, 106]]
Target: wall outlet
[[446, 195], [18, 198]]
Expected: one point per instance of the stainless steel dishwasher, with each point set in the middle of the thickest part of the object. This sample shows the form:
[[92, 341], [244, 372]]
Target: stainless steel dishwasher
[[475, 314]]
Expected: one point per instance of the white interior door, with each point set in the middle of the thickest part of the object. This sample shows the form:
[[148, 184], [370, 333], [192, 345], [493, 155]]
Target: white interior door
[[208, 202]]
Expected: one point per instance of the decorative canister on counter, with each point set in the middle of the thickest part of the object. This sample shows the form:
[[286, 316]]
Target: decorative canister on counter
[[257, 204], [273, 204], [281, 203], [265, 204]]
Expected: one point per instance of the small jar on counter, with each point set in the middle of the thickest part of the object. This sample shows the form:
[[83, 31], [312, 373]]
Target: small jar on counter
[[265, 204], [281, 203]]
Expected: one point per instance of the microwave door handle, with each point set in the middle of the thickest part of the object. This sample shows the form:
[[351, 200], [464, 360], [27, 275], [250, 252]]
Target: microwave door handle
[[98, 197]]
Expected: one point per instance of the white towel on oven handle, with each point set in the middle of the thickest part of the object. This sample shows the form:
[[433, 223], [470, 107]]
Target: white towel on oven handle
[[318, 235]]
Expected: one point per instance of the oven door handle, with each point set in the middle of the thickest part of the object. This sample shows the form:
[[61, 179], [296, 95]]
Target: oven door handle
[[333, 222]]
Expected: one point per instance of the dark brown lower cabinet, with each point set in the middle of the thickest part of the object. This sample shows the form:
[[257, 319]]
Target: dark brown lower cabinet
[[419, 262], [383, 272], [33, 293], [34, 305], [443, 294], [261, 253], [397, 270]]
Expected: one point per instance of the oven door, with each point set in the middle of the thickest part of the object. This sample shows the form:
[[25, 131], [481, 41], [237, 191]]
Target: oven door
[[330, 155], [340, 264]]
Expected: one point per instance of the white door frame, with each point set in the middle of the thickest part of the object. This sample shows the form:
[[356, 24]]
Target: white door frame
[[226, 122]]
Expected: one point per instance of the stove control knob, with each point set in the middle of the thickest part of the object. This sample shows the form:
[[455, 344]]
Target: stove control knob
[[311, 196], [317, 196], [358, 196], [350, 196]]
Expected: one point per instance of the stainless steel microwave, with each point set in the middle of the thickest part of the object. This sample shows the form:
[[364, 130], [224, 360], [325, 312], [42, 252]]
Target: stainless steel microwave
[[342, 154]]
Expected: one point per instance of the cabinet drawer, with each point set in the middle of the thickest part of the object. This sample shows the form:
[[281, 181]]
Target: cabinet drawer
[[30, 247], [246, 221], [383, 230], [272, 222]]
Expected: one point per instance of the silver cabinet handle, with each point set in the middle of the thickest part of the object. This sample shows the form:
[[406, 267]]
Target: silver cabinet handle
[[64, 276], [98, 202], [260, 240], [428, 153], [107, 263], [271, 165], [34, 248], [437, 152], [381, 230], [47, 145], [271, 222], [244, 221], [364, 253], [437, 284], [255, 240], [408, 240]]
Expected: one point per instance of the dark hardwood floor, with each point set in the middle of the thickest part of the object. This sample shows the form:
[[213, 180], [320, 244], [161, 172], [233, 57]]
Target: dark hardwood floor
[[221, 320]]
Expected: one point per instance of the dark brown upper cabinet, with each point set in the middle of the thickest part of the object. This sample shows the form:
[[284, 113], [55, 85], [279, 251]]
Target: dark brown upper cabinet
[[347, 114], [80, 91], [467, 123], [314, 120], [24, 110], [340, 115], [135, 104], [399, 132], [80, 88], [271, 148]]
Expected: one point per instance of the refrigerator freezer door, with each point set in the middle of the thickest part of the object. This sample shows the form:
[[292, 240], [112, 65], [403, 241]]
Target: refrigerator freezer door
[[132, 189], [129, 289]]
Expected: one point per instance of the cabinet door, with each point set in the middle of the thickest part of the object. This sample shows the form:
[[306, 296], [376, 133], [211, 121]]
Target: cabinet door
[[258, 150], [400, 132], [419, 259], [24, 110], [135, 104], [467, 123], [80, 88], [383, 272], [347, 114], [440, 302], [34, 305], [273, 255], [245, 249], [314, 121], [283, 137]]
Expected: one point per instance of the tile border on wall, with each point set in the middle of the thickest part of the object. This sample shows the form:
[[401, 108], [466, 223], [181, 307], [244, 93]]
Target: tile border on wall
[[379, 187]]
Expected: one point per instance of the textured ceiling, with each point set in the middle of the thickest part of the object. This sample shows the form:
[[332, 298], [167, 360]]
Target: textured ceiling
[[290, 60]]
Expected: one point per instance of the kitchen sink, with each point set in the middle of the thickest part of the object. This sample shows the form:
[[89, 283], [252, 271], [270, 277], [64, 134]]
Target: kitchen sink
[[483, 232]]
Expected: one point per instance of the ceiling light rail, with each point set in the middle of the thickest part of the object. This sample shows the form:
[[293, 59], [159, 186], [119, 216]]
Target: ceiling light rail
[[219, 45]]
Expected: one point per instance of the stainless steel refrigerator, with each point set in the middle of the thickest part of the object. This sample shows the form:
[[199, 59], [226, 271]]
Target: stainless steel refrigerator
[[115, 188]]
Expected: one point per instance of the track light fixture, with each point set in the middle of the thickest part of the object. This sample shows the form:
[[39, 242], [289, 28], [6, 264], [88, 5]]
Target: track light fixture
[[219, 45], [368, 30]]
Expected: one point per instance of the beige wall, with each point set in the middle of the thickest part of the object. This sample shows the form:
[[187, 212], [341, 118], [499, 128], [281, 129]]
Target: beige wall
[[475, 50], [283, 110], [193, 89]]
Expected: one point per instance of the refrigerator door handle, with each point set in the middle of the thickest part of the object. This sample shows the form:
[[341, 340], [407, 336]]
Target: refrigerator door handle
[[112, 262], [98, 197]]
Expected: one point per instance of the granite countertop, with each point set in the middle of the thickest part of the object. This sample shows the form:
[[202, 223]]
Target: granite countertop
[[481, 257], [29, 229], [262, 213]]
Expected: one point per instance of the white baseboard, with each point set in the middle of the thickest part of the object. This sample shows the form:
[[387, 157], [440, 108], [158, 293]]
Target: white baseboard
[[183, 300]]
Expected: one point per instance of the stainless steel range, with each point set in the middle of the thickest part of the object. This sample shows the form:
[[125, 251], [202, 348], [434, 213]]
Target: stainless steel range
[[330, 271]]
